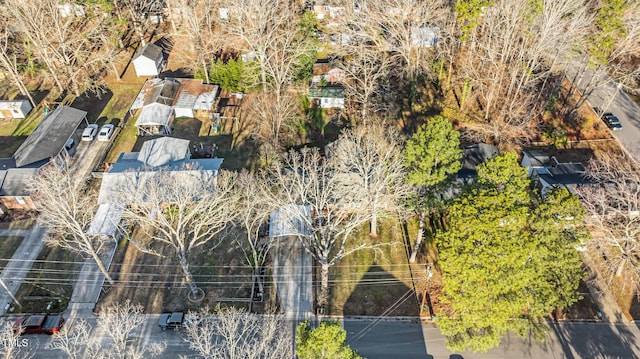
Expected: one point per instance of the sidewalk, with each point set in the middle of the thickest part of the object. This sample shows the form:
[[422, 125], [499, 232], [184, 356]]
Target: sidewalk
[[88, 286], [21, 262]]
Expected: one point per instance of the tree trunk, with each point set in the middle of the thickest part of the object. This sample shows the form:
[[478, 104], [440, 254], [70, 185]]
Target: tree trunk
[[414, 253], [206, 71], [104, 271], [374, 225], [17, 80], [115, 71], [620, 269], [323, 297], [187, 274]]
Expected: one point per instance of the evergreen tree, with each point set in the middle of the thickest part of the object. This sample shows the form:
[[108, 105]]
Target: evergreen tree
[[327, 341], [508, 256]]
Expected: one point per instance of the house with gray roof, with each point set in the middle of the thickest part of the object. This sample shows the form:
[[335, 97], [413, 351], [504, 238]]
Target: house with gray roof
[[549, 172], [149, 61], [327, 97], [156, 157], [52, 138], [162, 100]]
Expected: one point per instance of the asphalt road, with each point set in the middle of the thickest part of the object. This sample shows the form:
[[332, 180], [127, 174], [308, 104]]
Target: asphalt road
[[610, 97], [408, 340]]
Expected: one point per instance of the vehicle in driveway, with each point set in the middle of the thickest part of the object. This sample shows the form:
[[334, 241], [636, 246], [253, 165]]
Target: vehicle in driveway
[[105, 132], [173, 320], [38, 324], [90, 132], [612, 121]]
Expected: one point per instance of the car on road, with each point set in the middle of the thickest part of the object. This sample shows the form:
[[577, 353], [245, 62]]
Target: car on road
[[612, 121], [105, 132], [173, 320], [89, 133], [38, 324]]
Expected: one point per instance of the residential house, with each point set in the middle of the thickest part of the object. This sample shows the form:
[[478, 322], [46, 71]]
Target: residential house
[[15, 109], [327, 97], [323, 72], [52, 138], [473, 156], [132, 168], [550, 172], [149, 61], [161, 100]]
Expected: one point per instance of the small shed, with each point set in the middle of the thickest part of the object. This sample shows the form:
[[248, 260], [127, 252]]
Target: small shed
[[15, 109], [149, 61], [155, 119]]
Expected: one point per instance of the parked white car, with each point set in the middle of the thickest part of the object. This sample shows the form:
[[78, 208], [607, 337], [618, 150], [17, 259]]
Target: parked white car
[[105, 132], [90, 132]]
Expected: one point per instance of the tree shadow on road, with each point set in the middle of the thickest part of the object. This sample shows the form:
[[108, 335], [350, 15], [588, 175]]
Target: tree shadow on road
[[596, 339]]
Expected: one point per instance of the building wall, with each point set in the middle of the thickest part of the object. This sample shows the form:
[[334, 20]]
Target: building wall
[[145, 67]]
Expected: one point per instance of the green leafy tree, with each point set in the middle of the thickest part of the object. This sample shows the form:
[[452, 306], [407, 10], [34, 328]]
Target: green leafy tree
[[610, 28], [233, 75], [327, 341], [303, 65], [469, 13], [508, 257], [432, 156], [433, 153]]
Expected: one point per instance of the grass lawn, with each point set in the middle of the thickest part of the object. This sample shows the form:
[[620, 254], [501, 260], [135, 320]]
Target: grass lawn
[[8, 246], [49, 281], [366, 283]]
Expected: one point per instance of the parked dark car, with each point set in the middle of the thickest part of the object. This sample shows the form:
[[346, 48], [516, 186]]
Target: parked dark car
[[38, 324], [612, 121], [173, 320]]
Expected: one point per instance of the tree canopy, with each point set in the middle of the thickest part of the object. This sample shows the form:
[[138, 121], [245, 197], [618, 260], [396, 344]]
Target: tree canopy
[[433, 153], [324, 342], [508, 256]]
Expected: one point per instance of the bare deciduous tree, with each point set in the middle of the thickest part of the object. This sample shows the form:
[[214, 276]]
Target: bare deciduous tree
[[70, 45], [397, 27], [67, 208], [182, 209], [11, 344], [9, 50], [364, 69], [369, 162], [198, 24], [272, 116], [308, 191], [118, 321], [236, 334], [504, 60], [269, 29], [75, 341], [253, 214], [612, 204]]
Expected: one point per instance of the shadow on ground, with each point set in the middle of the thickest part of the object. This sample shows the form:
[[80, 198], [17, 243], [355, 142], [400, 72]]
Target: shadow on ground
[[602, 341]]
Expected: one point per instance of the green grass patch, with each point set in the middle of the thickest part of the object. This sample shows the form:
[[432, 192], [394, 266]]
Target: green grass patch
[[8, 246], [49, 282], [370, 283]]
